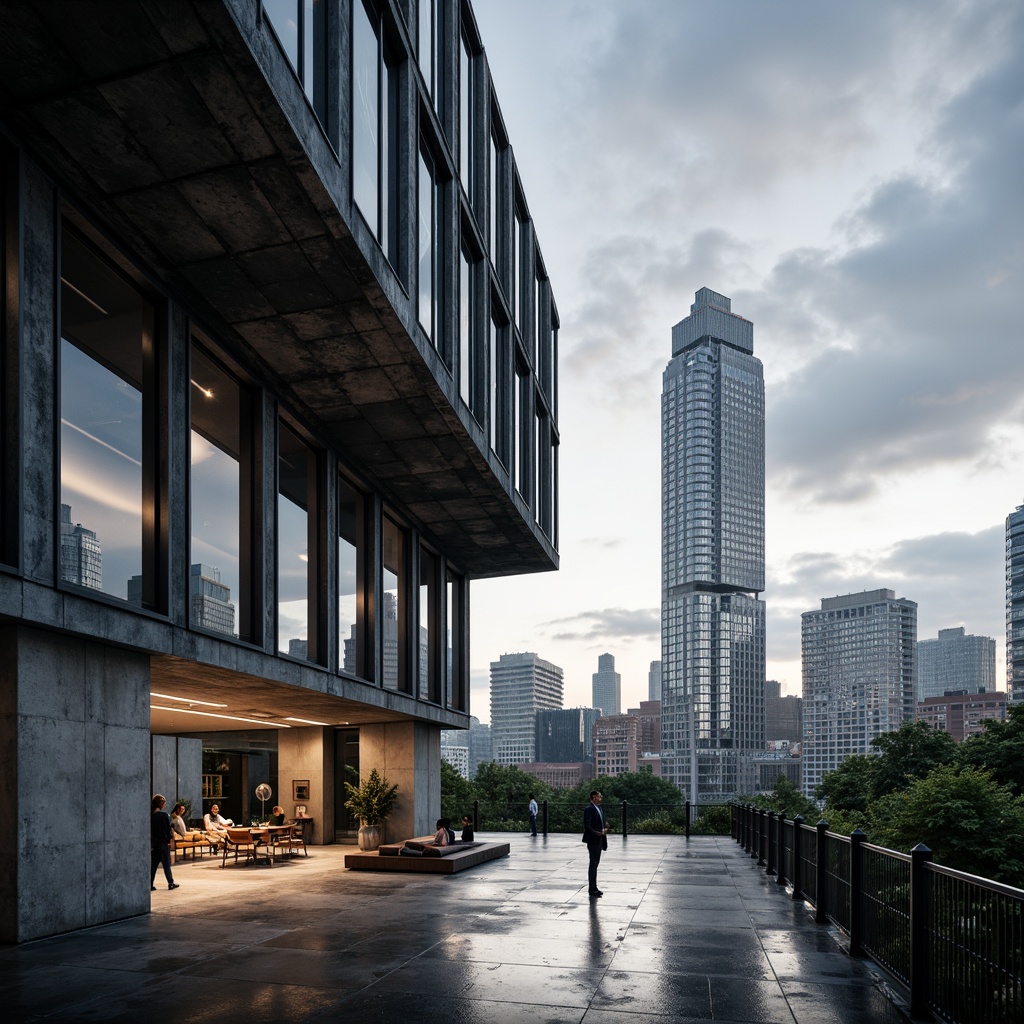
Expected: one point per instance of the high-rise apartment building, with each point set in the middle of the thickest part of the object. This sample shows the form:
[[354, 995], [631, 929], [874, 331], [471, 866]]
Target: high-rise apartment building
[[1015, 605], [607, 686], [649, 733], [713, 621], [955, 661], [81, 558], [963, 714], [521, 685], [616, 744], [859, 675], [566, 734], [654, 681], [211, 600]]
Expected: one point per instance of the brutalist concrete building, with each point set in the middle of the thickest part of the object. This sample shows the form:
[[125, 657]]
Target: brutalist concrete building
[[278, 369]]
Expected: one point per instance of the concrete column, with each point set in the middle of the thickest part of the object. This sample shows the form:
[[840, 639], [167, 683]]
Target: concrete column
[[308, 754], [409, 754], [75, 758]]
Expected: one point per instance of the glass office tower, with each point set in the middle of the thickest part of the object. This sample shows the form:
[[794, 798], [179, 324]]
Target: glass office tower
[[712, 632], [1015, 604]]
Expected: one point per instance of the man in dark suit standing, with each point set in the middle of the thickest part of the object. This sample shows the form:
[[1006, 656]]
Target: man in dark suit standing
[[595, 835]]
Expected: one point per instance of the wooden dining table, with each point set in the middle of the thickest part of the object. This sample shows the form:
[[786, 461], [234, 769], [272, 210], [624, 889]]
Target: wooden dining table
[[263, 835]]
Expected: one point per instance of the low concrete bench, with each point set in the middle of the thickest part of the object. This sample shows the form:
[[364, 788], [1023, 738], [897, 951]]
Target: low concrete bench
[[438, 860]]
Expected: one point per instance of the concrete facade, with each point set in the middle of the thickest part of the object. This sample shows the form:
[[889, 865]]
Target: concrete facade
[[176, 192]]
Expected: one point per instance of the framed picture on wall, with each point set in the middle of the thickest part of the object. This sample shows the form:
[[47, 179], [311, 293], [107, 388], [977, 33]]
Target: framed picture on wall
[[300, 789]]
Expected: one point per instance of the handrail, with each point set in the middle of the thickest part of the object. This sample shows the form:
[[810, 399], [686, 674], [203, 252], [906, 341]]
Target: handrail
[[953, 940]]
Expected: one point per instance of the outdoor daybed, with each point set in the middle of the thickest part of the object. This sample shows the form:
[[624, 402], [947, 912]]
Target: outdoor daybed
[[427, 858]]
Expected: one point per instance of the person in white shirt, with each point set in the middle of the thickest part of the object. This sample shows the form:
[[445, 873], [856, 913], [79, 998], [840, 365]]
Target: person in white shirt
[[214, 825], [533, 815]]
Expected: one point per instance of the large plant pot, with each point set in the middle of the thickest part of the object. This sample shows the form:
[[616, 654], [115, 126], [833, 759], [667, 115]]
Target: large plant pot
[[369, 837]]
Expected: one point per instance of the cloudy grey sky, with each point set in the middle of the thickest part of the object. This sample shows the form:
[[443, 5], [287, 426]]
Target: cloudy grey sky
[[852, 175]]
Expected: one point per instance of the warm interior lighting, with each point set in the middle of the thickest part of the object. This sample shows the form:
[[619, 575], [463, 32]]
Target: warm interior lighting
[[213, 714], [305, 721], [206, 391], [187, 700]]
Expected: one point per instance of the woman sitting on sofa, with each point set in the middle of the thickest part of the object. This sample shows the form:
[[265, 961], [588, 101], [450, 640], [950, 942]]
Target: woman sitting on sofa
[[180, 829]]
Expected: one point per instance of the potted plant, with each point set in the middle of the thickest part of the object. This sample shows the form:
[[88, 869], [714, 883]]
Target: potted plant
[[371, 802]]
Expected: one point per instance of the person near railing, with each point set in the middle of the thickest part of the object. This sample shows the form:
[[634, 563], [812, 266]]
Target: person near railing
[[533, 815]]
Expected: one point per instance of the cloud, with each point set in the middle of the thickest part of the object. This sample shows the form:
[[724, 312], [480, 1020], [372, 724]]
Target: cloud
[[956, 578], [609, 624]]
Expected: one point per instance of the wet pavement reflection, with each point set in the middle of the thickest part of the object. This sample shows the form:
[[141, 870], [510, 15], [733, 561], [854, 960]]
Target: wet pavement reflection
[[685, 931]]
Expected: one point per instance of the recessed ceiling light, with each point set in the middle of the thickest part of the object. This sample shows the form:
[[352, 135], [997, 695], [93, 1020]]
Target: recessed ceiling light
[[213, 714], [187, 700], [261, 714]]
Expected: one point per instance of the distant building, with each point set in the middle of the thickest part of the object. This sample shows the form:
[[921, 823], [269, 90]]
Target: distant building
[[481, 749], [607, 686], [652, 761], [616, 744], [955, 661], [712, 528], [649, 734], [211, 600], [783, 719], [455, 753], [566, 734], [1015, 604], [81, 558], [961, 714], [654, 681], [521, 685], [771, 765], [559, 775], [859, 675]]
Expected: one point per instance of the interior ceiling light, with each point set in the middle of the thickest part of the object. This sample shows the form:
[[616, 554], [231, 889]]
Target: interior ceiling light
[[213, 714], [305, 721], [205, 391], [188, 700], [261, 714], [78, 291]]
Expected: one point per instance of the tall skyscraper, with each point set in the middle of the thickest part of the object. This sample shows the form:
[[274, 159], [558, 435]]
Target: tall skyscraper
[[607, 686], [860, 675], [712, 630], [211, 600], [654, 681], [955, 662], [1015, 605], [521, 685]]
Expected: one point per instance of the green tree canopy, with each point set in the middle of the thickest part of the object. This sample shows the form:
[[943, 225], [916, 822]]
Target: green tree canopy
[[457, 794], [849, 787], [506, 784], [909, 753], [787, 797], [968, 820], [1000, 749]]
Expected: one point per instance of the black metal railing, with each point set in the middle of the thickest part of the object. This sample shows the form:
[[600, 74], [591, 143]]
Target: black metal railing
[[953, 940]]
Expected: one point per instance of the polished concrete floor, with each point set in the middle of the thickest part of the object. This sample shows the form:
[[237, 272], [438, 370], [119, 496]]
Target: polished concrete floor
[[686, 931]]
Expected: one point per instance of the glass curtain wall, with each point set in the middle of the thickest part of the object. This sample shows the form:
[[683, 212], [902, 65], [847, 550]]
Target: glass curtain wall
[[375, 156], [297, 559], [221, 499], [351, 575], [394, 610], [108, 398], [301, 29], [428, 637]]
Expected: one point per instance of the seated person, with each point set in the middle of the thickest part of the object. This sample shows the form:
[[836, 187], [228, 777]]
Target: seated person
[[214, 825], [276, 816], [447, 822], [467, 829], [441, 837], [180, 829]]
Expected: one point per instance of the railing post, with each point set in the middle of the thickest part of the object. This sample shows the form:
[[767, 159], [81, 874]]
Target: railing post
[[821, 873], [755, 851], [625, 831], [780, 849], [748, 829], [544, 817], [767, 857], [920, 937], [798, 886], [857, 838], [476, 815], [687, 823]]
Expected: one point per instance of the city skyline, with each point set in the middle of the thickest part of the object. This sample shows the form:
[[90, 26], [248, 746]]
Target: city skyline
[[848, 177]]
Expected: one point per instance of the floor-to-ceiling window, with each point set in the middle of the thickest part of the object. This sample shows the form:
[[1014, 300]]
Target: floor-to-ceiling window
[[109, 396], [297, 548], [351, 578], [220, 584], [301, 28], [393, 605]]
